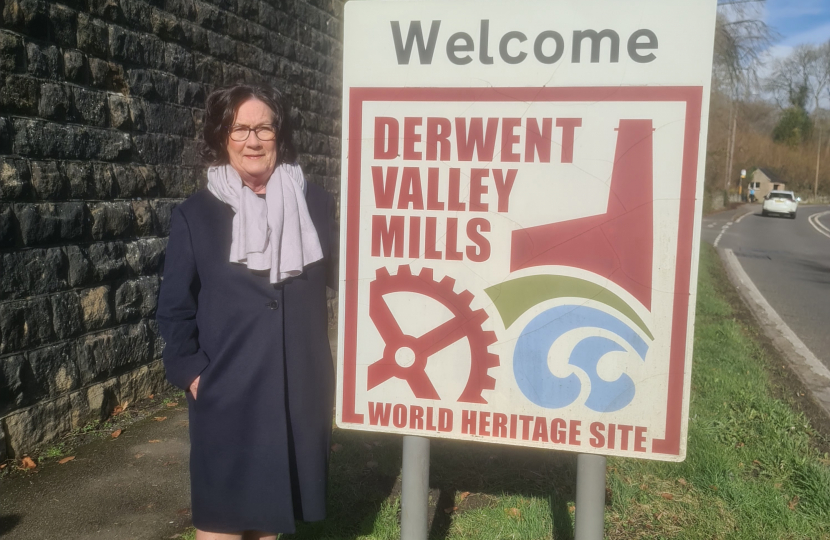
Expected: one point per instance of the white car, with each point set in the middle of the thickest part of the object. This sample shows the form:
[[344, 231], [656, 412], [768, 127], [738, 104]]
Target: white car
[[780, 202]]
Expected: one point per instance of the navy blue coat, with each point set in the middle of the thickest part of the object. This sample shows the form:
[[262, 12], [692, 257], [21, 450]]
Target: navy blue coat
[[260, 427]]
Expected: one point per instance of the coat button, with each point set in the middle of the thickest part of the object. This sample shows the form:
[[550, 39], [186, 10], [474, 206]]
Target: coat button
[[273, 304]]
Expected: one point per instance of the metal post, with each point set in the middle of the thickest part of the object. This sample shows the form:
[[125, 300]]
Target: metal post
[[590, 497], [414, 488]]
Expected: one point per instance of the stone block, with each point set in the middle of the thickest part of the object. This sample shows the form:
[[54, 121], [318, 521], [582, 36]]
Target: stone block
[[108, 260], [66, 314], [17, 388], [19, 94], [90, 107], [43, 61], [47, 180], [50, 222], [54, 369], [107, 10], [74, 66], [78, 176], [11, 52], [136, 298], [109, 353], [158, 149], [5, 136], [38, 425], [110, 220], [80, 267], [63, 25], [153, 85], [29, 17], [24, 323], [179, 182], [156, 342], [208, 69], [168, 119], [163, 209], [144, 224], [15, 178], [119, 110], [31, 272], [8, 227], [146, 255], [177, 59], [135, 180], [92, 36], [107, 75], [96, 309], [55, 101], [103, 184], [134, 48]]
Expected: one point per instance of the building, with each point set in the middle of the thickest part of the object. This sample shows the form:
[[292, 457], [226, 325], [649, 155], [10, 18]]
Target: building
[[764, 181]]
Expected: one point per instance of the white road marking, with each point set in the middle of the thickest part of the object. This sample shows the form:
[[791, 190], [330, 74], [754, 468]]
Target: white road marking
[[814, 374], [723, 230], [743, 216], [711, 225], [818, 225]]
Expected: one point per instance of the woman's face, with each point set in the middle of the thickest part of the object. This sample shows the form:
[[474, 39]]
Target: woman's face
[[253, 159]]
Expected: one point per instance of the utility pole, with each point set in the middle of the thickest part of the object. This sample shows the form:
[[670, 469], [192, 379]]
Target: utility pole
[[818, 162]]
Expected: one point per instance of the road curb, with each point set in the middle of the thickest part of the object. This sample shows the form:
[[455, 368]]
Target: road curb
[[808, 368]]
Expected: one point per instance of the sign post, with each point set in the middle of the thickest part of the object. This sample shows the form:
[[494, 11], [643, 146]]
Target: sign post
[[521, 195]]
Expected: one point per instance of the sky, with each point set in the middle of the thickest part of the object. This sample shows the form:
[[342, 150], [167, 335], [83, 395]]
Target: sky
[[798, 22]]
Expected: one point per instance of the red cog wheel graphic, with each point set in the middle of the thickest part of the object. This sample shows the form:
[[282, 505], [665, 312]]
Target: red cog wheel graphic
[[464, 323]]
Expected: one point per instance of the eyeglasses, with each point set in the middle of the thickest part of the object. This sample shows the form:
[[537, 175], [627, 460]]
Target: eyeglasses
[[263, 133]]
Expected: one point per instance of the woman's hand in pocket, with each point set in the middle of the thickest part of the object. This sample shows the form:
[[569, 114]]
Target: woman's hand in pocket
[[194, 386]]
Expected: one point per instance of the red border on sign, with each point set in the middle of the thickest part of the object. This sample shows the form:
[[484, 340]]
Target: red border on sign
[[690, 95]]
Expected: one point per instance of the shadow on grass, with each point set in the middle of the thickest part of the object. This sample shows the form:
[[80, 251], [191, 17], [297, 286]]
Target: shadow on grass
[[364, 485]]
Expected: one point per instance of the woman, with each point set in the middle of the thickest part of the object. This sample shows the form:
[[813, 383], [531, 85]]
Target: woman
[[243, 313]]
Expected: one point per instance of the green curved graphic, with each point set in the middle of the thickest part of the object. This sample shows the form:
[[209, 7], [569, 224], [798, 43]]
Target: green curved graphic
[[514, 297]]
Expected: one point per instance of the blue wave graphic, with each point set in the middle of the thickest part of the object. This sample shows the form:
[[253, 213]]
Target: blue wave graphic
[[539, 385]]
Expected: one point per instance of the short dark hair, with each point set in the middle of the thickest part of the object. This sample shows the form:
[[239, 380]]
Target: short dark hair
[[220, 110]]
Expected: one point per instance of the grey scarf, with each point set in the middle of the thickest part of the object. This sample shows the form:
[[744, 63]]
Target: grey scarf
[[275, 233]]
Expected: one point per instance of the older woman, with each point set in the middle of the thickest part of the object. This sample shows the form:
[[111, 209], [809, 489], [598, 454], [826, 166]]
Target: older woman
[[243, 314]]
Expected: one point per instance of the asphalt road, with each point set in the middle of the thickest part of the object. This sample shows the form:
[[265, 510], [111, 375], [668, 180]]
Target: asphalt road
[[788, 261]]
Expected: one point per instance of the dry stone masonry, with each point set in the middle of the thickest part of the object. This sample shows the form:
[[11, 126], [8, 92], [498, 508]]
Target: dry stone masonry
[[101, 102]]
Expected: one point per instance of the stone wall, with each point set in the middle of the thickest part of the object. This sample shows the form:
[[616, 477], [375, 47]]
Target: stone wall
[[101, 104]]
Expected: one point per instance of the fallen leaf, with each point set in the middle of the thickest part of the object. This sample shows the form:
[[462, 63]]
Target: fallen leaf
[[154, 440], [739, 445], [27, 463], [514, 512], [151, 396], [66, 459], [667, 496], [777, 485], [714, 487], [173, 404], [682, 481], [117, 410], [336, 447], [756, 462], [3, 466], [171, 463], [793, 502], [372, 464], [450, 509], [116, 433], [658, 516], [463, 496], [183, 511], [159, 418], [741, 465], [139, 456]]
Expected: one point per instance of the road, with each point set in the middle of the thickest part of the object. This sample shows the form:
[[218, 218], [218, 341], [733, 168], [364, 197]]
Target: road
[[788, 261]]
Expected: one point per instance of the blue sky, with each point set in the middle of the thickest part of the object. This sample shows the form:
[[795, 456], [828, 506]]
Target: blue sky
[[798, 22]]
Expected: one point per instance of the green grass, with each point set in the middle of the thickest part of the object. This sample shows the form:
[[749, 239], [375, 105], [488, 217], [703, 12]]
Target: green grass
[[752, 471]]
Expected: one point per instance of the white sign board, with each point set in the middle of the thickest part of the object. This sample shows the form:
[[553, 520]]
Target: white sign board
[[520, 220]]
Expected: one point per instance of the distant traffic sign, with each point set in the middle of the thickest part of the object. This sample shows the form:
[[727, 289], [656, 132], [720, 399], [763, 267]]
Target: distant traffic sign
[[520, 221]]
